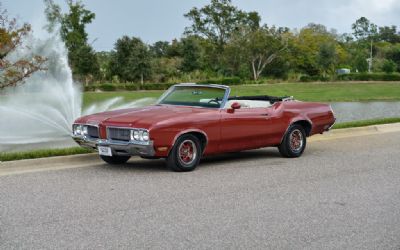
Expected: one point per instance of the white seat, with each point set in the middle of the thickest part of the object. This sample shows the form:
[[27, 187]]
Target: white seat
[[249, 103]]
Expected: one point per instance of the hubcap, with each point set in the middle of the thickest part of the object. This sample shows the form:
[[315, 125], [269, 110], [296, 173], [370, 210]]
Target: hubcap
[[296, 140], [187, 152]]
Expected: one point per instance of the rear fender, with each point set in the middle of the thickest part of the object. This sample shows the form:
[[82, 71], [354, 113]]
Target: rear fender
[[296, 120]]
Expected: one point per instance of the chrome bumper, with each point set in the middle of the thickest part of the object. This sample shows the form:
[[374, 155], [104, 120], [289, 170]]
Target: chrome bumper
[[117, 147]]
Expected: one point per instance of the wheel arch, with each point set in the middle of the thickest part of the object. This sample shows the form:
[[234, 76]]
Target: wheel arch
[[201, 135], [305, 123]]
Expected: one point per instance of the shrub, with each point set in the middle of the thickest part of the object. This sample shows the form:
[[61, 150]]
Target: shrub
[[389, 66], [107, 87], [156, 86], [223, 81], [132, 86], [369, 77], [89, 88], [307, 78]]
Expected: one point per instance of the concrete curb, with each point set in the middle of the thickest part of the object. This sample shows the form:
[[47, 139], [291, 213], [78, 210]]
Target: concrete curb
[[76, 161], [354, 132], [49, 163]]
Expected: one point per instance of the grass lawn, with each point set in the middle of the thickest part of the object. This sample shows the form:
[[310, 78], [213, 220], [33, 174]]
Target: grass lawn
[[364, 123], [322, 92]]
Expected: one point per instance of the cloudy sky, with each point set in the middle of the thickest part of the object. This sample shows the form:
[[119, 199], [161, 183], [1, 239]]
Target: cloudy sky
[[154, 20]]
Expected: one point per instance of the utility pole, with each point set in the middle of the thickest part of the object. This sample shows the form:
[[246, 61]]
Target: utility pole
[[370, 60]]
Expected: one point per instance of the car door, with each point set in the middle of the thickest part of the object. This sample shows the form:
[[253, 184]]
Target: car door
[[245, 128]]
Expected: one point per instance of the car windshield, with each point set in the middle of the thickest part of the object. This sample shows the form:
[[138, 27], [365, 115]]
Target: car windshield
[[198, 96]]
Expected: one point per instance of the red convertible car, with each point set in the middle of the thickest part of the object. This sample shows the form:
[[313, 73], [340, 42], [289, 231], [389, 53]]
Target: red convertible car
[[193, 120]]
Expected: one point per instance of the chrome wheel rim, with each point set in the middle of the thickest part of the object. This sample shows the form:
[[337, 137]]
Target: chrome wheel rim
[[296, 140], [187, 152]]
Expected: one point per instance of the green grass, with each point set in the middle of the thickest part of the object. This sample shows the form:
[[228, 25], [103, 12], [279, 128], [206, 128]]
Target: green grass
[[77, 150], [93, 97], [321, 92], [364, 123], [327, 92], [13, 156]]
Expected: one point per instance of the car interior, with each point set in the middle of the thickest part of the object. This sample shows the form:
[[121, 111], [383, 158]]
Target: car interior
[[255, 101]]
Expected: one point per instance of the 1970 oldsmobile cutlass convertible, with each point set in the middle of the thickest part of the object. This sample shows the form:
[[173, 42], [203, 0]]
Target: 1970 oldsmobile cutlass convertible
[[193, 120]]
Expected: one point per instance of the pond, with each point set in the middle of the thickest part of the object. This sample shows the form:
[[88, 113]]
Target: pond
[[353, 111]]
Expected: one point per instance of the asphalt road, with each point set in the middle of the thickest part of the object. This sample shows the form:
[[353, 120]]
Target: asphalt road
[[342, 194]]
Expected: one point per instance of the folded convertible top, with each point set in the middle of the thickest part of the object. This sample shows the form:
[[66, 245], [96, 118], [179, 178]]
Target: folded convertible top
[[271, 99]]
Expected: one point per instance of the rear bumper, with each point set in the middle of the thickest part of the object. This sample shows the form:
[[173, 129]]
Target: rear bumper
[[117, 147], [331, 126]]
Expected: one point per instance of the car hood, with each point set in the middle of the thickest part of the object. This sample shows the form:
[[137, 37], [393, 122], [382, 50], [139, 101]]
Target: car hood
[[145, 117]]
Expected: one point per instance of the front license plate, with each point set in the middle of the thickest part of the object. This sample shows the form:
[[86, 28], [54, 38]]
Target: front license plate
[[104, 151]]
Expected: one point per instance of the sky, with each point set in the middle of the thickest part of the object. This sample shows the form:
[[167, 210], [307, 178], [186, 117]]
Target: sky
[[155, 20]]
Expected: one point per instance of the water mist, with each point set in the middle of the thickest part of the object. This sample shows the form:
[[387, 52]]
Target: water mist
[[39, 113]]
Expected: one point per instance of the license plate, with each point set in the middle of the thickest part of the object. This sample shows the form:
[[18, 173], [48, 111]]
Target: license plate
[[104, 151]]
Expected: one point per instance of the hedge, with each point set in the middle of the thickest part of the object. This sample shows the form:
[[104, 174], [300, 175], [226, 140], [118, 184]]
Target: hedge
[[307, 78], [223, 81], [369, 77], [128, 86]]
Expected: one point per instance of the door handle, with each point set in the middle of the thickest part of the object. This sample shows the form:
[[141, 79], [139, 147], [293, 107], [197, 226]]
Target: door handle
[[266, 114]]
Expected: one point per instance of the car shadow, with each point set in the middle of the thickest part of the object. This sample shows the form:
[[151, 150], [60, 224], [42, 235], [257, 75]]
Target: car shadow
[[158, 165], [243, 155]]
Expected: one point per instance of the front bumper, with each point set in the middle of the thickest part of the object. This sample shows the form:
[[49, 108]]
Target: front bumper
[[117, 147]]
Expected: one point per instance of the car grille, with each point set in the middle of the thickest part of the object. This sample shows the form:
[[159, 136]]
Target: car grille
[[93, 131], [119, 134]]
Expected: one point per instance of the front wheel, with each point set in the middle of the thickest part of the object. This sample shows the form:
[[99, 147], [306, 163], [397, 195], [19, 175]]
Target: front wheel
[[294, 142], [115, 159], [185, 155]]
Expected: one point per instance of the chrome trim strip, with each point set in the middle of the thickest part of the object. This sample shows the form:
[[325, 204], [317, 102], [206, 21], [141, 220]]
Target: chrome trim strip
[[117, 147]]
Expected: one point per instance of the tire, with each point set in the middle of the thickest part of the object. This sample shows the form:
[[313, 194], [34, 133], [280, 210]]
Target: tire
[[185, 155], [294, 142], [115, 160]]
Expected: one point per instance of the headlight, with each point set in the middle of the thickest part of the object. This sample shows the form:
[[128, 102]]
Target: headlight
[[136, 135], [77, 129], [84, 130], [140, 135], [145, 136]]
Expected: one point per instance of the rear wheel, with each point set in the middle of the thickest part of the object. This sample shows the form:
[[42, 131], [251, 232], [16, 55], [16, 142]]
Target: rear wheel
[[294, 142], [115, 159], [185, 155]]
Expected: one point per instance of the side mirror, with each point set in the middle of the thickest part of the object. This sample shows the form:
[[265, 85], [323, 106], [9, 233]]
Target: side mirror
[[234, 106]]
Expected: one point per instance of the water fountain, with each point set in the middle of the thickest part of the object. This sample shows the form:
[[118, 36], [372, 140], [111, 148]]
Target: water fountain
[[39, 113]]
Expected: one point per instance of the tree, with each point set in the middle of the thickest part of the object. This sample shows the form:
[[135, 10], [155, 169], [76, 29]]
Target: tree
[[366, 31], [394, 55], [81, 55], [259, 48], [363, 29], [305, 48], [327, 58], [160, 49], [389, 34], [11, 36], [191, 53], [389, 66], [104, 59], [218, 21], [360, 63], [131, 59]]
